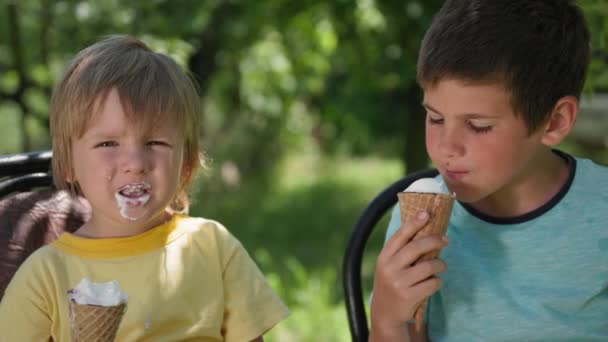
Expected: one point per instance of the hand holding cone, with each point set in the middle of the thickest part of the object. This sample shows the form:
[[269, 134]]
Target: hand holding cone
[[439, 207]]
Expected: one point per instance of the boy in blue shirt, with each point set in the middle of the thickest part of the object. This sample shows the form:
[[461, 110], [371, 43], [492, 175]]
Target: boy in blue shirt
[[527, 257]]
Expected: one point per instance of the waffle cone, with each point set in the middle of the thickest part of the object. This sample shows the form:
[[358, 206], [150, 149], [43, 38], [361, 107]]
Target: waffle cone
[[439, 207], [94, 322]]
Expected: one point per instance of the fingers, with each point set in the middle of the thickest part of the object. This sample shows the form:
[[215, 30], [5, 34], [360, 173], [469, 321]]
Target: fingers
[[425, 288], [423, 274], [416, 248], [424, 270], [419, 282], [405, 234]]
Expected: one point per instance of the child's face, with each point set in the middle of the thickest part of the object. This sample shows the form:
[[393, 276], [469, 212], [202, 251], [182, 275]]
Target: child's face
[[128, 176], [475, 139]]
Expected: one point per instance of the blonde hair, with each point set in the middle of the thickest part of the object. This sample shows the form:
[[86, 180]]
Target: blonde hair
[[152, 88]]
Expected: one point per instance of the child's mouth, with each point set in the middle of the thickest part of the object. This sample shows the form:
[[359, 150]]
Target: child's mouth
[[134, 191], [131, 196]]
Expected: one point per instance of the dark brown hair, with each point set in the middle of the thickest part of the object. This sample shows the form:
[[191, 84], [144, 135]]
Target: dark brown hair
[[538, 49]]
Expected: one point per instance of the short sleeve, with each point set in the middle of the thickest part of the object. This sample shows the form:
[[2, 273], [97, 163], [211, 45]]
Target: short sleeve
[[24, 310], [251, 306]]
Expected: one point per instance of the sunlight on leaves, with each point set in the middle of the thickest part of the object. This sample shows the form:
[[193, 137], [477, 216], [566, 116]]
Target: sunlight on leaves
[[369, 16]]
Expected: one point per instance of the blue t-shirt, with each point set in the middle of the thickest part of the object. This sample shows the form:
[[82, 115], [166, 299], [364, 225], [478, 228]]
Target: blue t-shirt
[[542, 276]]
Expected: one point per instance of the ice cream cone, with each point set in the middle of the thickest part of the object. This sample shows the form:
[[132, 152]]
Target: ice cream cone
[[439, 207], [95, 322]]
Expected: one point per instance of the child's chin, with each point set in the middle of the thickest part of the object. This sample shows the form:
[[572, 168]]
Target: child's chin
[[135, 214]]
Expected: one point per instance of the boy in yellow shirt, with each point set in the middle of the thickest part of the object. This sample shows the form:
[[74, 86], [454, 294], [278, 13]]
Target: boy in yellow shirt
[[124, 123]]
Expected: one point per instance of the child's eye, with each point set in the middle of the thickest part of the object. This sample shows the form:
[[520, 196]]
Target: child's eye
[[157, 143], [478, 128], [107, 144], [435, 120]]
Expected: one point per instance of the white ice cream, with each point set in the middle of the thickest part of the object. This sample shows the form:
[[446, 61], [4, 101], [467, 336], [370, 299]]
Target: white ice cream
[[103, 294], [425, 185], [139, 196]]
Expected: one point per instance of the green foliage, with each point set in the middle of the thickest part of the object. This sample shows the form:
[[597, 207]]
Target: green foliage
[[596, 12], [9, 137], [315, 315], [297, 232], [346, 68], [277, 77]]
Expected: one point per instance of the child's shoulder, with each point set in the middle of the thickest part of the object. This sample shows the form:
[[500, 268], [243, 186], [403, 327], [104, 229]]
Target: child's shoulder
[[588, 167], [45, 255], [586, 199], [204, 230], [591, 177], [201, 225], [41, 263]]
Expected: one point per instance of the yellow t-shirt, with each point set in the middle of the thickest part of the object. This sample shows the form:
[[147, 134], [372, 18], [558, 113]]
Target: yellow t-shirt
[[188, 279]]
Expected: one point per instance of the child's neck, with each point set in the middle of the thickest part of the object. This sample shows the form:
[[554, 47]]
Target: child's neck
[[99, 228], [543, 181]]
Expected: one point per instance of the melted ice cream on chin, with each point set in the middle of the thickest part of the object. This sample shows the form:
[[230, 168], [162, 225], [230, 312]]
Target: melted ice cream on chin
[[139, 194]]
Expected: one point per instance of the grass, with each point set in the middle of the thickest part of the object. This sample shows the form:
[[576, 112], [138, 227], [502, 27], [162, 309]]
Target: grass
[[297, 231], [9, 140]]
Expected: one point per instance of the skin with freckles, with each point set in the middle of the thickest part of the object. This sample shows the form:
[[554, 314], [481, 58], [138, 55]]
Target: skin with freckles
[[111, 154]]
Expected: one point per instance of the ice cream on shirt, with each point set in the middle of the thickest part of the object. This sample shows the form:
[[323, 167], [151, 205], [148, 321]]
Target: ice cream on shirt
[[96, 310], [102, 294]]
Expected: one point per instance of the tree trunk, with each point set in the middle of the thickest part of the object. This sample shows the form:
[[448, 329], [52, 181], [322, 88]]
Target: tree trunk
[[17, 49], [415, 156]]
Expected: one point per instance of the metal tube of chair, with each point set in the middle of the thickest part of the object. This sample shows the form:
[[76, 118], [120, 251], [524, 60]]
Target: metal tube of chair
[[351, 274], [25, 183], [22, 163]]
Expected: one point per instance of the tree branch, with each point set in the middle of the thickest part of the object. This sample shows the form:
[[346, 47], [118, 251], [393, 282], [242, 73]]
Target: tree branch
[[46, 20], [18, 62]]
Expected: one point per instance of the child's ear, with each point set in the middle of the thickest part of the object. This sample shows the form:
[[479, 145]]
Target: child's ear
[[561, 121]]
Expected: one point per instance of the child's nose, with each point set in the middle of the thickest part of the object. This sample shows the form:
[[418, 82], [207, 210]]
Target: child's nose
[[134, 161], [451, 142]]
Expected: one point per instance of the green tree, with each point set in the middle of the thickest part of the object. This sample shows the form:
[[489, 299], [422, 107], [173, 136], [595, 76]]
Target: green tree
[[272, 74]]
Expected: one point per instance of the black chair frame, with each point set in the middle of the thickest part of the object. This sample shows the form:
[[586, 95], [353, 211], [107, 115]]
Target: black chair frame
[[351, 272], [25, 171]]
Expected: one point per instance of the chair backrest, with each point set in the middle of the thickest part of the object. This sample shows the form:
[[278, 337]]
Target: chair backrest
[[351, 272], [32, 212], [25, 171]]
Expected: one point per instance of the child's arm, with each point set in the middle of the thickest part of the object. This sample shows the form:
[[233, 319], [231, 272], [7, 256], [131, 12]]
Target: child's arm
[[399, 287], [24, 310], [251, 305], [415, 335]]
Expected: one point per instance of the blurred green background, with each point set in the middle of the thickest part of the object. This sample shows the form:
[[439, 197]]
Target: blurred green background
[[311, 109]]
